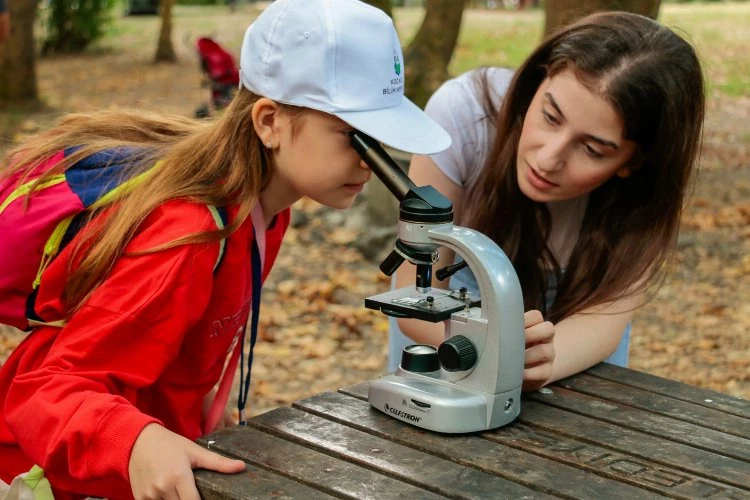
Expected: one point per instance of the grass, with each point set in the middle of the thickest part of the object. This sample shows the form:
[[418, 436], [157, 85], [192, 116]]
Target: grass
[[502, 38]]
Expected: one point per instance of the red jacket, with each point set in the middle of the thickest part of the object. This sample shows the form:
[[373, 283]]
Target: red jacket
[[146, 347]]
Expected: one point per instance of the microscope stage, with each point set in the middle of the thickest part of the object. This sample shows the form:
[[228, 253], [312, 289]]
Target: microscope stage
[[409, 303]]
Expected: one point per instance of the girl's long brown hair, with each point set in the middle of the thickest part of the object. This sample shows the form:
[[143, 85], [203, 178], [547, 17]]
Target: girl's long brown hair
[[219, 163], [652, 77]]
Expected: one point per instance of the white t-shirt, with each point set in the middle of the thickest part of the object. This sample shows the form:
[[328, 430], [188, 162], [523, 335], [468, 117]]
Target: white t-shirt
[[458, 106]]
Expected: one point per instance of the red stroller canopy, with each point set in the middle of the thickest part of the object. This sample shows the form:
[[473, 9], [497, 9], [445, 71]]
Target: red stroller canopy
[[217, 62]]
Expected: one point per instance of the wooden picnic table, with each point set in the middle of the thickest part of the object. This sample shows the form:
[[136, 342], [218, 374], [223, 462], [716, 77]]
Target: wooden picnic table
[[606, 433]]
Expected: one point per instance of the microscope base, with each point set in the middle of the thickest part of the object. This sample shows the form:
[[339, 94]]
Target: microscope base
[[442, 407]]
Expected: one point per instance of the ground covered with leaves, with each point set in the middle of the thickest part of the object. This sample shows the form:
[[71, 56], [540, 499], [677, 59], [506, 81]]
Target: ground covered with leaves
[[316, 335]]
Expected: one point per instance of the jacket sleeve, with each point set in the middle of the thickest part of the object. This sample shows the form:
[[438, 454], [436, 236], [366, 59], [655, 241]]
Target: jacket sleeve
[[73, 414]]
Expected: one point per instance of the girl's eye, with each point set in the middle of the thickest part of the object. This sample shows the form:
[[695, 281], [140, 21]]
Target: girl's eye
[[549, 118], [592, 152]]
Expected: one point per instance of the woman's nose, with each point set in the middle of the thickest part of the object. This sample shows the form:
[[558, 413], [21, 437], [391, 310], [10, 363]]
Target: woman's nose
[[363, 165], [551, 156]]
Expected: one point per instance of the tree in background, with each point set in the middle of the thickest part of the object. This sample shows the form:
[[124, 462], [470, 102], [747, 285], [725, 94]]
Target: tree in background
[[428, 55], [165, 49], [72, 25], [17, 56], [561, 12]]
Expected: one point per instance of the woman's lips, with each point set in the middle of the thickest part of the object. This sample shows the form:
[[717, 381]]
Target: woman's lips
[[537, 180]]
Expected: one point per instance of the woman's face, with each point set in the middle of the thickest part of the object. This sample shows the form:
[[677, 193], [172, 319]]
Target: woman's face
[[571, 143]]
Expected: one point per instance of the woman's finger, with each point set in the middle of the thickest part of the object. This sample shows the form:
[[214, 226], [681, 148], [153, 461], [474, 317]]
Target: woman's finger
[[531, 318], [542, 353], [540, 333], [536, 376]]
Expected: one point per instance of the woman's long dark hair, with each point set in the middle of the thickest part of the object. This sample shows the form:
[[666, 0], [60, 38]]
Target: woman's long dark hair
[[652, 77]]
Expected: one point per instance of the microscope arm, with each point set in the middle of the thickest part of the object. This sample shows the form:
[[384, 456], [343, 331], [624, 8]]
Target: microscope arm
[[502, 305]]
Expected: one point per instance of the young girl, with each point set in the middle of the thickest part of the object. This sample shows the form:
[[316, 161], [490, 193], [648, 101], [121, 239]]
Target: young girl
[[109, 404], [576, 165]]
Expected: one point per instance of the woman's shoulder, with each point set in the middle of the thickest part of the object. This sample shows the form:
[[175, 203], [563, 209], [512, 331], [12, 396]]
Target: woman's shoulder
[[472, 84], [471, 96]]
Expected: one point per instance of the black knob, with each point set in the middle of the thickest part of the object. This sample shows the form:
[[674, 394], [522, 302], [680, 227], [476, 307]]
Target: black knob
[[457, 353], [420, 358]]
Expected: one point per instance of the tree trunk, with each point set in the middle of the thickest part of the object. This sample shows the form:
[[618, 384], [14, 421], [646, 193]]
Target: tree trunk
[[561, 12], [17, 56], [384, 5], [428, 55], [165, 49]]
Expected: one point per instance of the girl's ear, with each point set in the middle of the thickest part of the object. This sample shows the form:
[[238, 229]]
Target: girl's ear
[[265, 114]]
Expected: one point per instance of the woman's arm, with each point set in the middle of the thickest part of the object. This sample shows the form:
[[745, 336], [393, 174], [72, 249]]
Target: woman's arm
[[575, 343], [423, 172]]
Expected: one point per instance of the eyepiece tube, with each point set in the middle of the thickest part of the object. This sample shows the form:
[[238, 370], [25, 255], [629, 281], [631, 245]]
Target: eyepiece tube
[[381, 164]]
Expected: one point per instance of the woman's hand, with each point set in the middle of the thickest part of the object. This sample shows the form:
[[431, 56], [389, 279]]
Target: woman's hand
[[162, 462], [540, 351]]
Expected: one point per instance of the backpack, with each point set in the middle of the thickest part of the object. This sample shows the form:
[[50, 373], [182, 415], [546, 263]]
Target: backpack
[[34, 233]]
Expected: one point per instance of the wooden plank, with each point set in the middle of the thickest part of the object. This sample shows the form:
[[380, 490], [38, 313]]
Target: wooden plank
[[657, 403], [251, 484], [358, 391], [472, 450], [331, 475], [616, 464], [659, 452], [421, 470], [678, 470], [673, 389], [640, 420]]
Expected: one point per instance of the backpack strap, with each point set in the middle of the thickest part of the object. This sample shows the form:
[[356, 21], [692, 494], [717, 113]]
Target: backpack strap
[[222, 219], [67, 229]]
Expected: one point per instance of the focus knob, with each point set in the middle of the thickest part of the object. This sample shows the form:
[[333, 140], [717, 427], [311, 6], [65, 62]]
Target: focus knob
[[420, 358], [457, 354]]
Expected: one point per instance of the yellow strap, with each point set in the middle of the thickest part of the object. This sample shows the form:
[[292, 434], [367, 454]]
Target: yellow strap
[[38, 484], [51, 247], [24, 189], [123, 188], [220, 223], [57, 324]]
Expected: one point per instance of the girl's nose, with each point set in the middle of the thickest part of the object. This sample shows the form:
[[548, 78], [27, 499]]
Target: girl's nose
[[363, 165]]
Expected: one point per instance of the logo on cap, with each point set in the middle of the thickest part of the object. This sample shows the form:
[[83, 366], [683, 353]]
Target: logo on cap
[[396, 64]]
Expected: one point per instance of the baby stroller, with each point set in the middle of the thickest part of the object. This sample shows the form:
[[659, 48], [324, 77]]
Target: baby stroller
[[220, 75]]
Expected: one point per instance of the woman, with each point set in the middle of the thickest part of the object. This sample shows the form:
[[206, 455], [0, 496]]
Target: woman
[[577, 166]]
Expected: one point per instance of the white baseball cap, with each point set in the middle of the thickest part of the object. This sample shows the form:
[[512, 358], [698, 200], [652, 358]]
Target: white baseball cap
[[341, 57]]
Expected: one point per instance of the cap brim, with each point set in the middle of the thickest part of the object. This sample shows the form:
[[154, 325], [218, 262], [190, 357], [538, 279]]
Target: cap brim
[[404, 127]]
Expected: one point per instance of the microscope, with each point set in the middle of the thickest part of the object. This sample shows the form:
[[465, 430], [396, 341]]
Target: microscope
[[472, 381]]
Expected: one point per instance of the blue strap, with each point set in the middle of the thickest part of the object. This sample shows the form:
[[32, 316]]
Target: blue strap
[[244, 389]]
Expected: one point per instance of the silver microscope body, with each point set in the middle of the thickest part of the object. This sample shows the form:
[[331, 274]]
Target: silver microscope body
[[472, 382]]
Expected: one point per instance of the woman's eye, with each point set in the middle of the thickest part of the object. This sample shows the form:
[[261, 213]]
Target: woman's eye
[[549, 118], [592, 152]]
